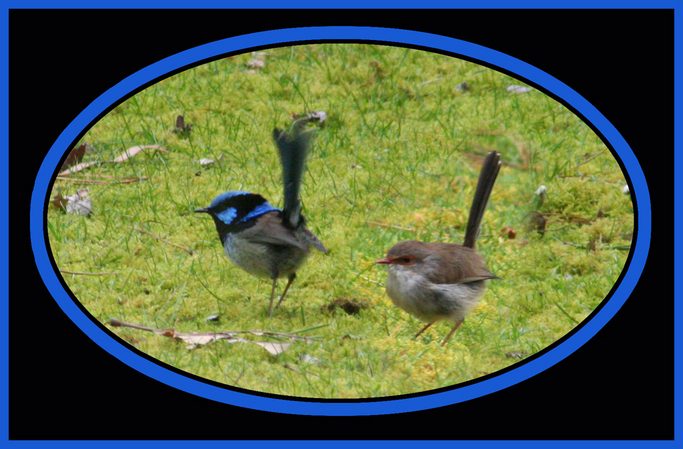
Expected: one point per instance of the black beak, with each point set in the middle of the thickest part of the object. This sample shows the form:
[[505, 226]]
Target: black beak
[[204, 209]]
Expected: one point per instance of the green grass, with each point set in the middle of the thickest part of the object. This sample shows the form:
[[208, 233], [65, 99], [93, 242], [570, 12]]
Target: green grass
[[397, 159]]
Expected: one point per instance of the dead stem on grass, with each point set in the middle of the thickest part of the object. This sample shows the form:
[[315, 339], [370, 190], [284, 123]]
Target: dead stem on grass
[[162, 240]]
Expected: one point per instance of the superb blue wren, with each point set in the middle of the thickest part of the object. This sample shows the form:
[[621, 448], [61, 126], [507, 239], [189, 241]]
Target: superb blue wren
[[443, 281], [261, 239]]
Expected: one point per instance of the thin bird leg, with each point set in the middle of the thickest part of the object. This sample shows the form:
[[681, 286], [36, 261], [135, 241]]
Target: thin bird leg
[[450, 334], [423, 329], [291, 279], [272, 296]]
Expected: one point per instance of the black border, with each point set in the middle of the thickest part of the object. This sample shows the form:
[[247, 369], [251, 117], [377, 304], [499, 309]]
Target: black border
[[621, 381]]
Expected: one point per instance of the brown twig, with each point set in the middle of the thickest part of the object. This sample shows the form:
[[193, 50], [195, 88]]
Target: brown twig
[[591, 158], [375, 223], [115, 322], [84, 273], [160, 239], [126, 180]]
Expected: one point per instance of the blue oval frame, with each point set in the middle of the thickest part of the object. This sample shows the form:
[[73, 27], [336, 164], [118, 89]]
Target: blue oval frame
[[351, 34]]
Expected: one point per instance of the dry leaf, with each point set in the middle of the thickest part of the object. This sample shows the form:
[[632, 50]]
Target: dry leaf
[[60, 202], [75, 156], [181, 127], [78, 203], [379, 71], [273, 348], [350, 306], [535, 221], [78, 167], [313, 116], [592, 245], [508, 232], [193, 340], [257, 62], [130, 152], [306, 358], [196, 339], [463, 87], [517, 89], [541, 192]]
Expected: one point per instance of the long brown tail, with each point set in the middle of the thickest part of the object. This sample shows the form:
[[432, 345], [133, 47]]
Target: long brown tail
[[487, 178]]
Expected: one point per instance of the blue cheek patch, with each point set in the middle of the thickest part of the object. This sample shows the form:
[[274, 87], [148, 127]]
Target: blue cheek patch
[[228, 215], [258, 211]]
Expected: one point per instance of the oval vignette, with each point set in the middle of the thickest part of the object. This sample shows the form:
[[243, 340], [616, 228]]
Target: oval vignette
[[357, 407]]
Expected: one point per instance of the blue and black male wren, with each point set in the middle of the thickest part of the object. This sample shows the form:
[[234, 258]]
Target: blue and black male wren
[[263, 240]]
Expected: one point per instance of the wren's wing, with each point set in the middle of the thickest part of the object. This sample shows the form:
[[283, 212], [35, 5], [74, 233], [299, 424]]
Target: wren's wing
[[270, 230], [463, 265], [315, 241], [478, 278]]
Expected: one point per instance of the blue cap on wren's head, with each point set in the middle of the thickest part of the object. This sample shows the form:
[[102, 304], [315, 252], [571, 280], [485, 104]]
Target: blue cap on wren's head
[[227, 195], [239, 205]]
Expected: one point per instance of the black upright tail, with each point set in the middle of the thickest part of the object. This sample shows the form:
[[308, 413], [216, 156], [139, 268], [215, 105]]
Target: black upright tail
[[293, 147], [487, 177]]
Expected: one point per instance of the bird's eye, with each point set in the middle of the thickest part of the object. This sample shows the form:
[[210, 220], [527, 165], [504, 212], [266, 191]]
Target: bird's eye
[[406, 260]]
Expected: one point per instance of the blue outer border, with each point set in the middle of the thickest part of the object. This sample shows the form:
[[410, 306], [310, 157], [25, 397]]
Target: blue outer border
[[390, 36]]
